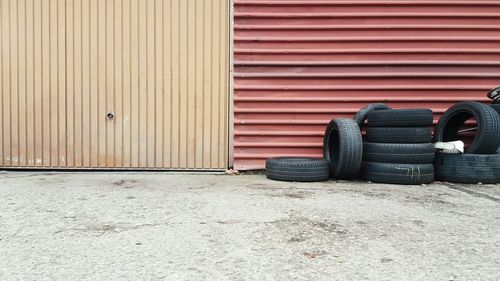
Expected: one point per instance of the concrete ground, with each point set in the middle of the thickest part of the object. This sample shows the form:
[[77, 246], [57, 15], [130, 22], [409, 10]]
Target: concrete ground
[[173, 226]]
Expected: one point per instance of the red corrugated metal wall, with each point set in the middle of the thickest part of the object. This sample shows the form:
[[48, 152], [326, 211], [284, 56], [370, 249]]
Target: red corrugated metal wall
[[299, 64]]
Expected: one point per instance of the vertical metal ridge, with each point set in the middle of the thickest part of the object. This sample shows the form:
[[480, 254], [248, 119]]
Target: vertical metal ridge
[[101, 95], [206, 102], [203, 87], [146, 85], [225, 70], [127, 58], [182, 85], [86, 85], [171, 93], [69, 85], [214, 97], [191, 76], [142, 93], [70, 59], [76, 21], [2, 82], [175, 72], [150, 83], [32, 83], [21, 82], [195, 86], [158, 151], [218, 84], [51, 91], [28, 118], [178, 90], [108, 85], [118, 84], [38, 88], [62, 66], [166, 90], [134, 81], [45, 63], [115, 106], [212, 92], [14, 91]]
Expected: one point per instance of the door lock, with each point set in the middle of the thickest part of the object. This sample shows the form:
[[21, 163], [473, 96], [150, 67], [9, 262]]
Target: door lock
[[110, 115]]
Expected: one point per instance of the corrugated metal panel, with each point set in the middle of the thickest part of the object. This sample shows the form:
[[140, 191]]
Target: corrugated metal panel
[[160, 65], [299, 64]]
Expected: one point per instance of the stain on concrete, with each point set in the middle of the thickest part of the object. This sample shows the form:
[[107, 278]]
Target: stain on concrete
[[125, 183]]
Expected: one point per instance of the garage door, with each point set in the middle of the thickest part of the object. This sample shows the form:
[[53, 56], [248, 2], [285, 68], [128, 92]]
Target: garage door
[[114, 84], [299, 64]]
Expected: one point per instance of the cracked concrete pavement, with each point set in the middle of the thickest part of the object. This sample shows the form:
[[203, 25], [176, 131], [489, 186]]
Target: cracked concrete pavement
[[179, 226]]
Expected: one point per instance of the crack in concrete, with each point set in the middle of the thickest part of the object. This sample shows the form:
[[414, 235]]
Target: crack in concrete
[[472, 192]]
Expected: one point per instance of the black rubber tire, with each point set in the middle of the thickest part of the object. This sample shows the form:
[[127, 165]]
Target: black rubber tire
[[399, 134], [400, 118], [487, 138], [362, 114], [343, 148], [397, 173], [415, 153], [496, 107], [298, 169], [468, 168]]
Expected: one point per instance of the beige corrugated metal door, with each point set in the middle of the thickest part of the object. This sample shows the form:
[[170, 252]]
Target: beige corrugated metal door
[[158, 67]]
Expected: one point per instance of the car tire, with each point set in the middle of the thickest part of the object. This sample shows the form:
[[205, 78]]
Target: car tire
[[487, 139], [418, 153], [343, 148], [468, 168], [496, 107], [400, 118], [397, 173], [399, 134], [362, 114], [298, 169]]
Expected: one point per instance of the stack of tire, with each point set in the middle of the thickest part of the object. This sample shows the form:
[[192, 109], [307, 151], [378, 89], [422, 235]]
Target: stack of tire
[[398, 147], [480, 162]]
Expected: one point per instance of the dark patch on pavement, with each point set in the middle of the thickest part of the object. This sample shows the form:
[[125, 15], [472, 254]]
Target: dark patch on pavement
[[471, 192], [125, 183]]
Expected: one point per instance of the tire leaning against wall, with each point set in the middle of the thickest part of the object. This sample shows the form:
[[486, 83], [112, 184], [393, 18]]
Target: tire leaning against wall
[[487, 139], [343, 148]]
